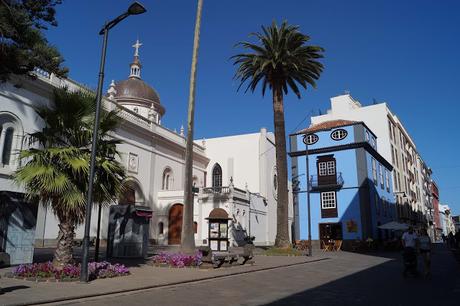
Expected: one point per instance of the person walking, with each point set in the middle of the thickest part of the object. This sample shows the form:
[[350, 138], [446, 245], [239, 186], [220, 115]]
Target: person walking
[[425, 252], [409, 242]]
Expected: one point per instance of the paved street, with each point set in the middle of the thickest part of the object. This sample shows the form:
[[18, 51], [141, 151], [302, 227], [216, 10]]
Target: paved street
[[345, 279]]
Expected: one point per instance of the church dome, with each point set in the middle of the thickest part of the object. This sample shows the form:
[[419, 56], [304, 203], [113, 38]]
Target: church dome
[[134, 88], [136, 94]]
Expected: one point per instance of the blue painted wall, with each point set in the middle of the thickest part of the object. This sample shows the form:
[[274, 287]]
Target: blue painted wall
[[348, 197]]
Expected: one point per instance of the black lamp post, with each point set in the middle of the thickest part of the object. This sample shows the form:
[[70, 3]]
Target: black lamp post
[[134, 9]]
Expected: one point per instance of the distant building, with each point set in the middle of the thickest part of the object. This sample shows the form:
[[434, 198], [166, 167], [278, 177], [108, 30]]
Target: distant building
[[456, 220], [447, 223], [351, 191], [411, 176], [436, 214]]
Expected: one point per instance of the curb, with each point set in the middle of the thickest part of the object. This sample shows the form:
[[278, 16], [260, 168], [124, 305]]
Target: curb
[[73, 298]]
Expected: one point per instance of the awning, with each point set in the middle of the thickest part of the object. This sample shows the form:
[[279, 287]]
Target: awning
[[393, 225], [143, 212]]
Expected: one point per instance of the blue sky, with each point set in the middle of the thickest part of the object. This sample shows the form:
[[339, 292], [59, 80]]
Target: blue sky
[[403, 52]]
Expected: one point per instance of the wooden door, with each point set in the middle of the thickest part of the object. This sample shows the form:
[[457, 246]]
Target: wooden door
[[128, 197], [175, 224]]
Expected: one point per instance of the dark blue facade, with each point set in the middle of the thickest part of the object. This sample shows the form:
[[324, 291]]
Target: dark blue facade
[[350, 183]]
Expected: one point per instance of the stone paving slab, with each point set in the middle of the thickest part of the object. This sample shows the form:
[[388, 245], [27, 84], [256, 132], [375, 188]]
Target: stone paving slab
[[21, 292]]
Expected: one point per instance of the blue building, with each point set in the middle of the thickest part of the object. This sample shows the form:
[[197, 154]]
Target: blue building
[[350, 182]]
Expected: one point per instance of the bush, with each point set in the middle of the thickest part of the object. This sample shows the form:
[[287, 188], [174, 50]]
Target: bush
[[178, 260], [47, 270]]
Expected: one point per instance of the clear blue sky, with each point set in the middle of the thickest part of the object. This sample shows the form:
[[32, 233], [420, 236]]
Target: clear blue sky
[[403, 52]]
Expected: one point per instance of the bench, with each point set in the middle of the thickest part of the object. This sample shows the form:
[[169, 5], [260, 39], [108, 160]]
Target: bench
[[218, 258]]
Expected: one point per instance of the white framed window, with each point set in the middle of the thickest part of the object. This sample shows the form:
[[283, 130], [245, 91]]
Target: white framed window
[[382, 182], [339, 134], [367, 136], [330, 167], [328, 200], [322, 168], [310, 139], [167, 179], [10, 139], [217, 176]]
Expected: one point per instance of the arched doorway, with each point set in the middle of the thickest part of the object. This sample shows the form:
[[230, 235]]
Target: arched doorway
[[132, 193], [175, 224]]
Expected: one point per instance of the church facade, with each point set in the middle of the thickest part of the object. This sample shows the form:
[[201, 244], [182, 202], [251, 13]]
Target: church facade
[[153, 156]]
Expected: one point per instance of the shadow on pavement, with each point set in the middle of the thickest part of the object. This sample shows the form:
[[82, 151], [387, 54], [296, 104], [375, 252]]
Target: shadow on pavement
[[11, 289], [385, 285]]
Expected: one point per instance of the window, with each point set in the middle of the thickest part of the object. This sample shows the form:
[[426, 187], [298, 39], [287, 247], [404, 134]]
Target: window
[[384, 207], [374, 170], [367, 136], [330, 167], [392, 155], [326, 168], [339, 134], [382, 182], [328, 200], [322, 167], [310, 139], [7, 146], [161, 228], [391, 129], [387, 177], [217, 176], [167, 179]]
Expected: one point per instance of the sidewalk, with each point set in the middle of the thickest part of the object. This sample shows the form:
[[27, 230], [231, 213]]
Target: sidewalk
[[21, 292]]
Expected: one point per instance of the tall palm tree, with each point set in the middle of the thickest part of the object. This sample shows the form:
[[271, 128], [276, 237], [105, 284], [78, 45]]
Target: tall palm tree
[[187, 235], [281, 60], [56, 169]]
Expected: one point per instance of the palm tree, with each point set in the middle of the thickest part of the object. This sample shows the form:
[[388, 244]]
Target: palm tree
[[56, 170], [281, 60], [187, 235]]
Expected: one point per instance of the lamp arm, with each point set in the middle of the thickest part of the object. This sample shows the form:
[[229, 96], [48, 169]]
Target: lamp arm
[[113, 23]]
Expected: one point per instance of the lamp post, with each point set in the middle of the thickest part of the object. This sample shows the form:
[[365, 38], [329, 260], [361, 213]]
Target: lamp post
[[134, 9], [307, 170]]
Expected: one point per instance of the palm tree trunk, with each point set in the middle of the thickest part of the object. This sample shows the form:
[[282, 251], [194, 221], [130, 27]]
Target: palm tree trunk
[[282, 223], [64, 250], [188, 234]]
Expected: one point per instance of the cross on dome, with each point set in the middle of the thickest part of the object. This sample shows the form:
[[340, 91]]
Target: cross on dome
[[136, 47]]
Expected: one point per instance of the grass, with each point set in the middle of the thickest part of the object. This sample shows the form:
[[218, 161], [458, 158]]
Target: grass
[[283, 252]]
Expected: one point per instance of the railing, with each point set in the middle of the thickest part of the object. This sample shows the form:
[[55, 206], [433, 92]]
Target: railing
[[216, 190], [326, 182]]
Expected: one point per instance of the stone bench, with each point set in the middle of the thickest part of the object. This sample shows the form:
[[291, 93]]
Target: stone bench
[[234, 256]]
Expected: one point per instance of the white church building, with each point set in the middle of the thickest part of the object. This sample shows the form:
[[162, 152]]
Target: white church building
[[236, 173]]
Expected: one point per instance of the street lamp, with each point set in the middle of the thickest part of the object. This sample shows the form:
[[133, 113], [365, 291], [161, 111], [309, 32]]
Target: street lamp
[[307, 170], [134, 9]]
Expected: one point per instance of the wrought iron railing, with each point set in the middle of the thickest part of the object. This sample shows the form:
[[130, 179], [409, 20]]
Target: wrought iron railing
[[326, 182]]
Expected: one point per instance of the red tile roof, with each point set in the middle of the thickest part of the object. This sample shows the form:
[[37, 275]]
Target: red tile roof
[[327, 125]]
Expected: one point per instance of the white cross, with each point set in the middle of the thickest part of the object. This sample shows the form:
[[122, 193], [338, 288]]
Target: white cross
[[136, 46]]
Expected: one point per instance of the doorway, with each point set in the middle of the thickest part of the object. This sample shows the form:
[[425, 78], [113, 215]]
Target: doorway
[[330, 231], [175, 224]]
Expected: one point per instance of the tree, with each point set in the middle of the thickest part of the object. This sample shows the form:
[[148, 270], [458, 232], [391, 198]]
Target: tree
[[187, 235], [22, 44], [281, 60], [56, 169]]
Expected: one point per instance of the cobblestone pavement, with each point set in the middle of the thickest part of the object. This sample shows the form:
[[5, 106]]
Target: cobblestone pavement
[[345, 279]]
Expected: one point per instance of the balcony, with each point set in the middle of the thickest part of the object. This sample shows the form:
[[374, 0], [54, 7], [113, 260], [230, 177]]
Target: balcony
[[325, 183], [216, 190]]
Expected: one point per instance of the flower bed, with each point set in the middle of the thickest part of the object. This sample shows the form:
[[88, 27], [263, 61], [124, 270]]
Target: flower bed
[[177, 260], [46, 271]]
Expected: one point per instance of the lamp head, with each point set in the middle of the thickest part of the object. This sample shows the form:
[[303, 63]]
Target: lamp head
[[136, 8]]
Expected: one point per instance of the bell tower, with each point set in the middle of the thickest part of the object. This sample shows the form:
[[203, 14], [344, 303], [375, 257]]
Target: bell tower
[[136, 64]]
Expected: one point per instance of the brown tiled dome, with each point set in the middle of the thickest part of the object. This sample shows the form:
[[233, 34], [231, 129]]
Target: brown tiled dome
[[135, 88], [218, 213]]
